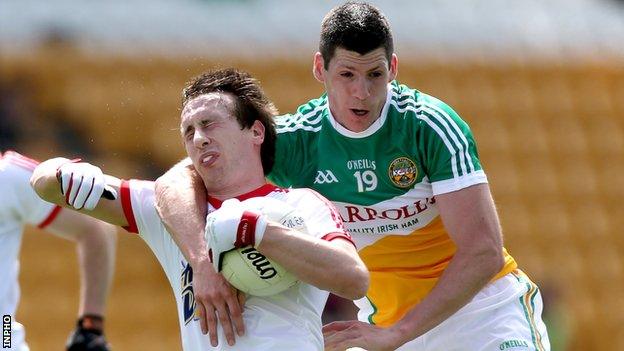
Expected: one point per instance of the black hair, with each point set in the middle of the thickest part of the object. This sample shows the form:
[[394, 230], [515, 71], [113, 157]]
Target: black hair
[[355, 26]]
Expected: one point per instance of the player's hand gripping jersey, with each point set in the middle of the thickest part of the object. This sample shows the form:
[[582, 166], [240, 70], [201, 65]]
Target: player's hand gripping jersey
[[383, 182], [290, 320]]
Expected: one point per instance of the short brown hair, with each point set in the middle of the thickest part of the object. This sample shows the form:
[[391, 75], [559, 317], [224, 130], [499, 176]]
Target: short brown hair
[[355, 26], [252, 104]]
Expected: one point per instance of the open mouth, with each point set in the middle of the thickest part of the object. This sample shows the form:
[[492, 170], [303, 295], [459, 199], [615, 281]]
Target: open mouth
[[209, 159], [359, 113]]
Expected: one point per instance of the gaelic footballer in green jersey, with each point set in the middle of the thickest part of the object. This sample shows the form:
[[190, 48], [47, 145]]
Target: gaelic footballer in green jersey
[[384, 181]]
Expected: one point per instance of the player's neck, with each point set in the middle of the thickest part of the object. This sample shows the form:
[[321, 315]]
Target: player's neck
[[238, 187]]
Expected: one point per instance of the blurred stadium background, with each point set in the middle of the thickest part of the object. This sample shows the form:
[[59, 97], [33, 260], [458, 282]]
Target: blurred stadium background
[[540, 82]]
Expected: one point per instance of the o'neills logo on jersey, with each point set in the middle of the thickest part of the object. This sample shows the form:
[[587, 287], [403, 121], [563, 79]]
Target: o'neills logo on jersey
[[402, 172]]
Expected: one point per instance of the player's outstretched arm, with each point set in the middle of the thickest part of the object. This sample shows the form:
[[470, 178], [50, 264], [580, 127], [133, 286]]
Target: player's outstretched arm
[[95, 242], [470, 217], [181, 204], [78, 186]]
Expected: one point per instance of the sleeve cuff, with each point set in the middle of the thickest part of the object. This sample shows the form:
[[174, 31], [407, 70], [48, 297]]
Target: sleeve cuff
[[126, 204], [337, 235], [454, 184], [50, 218]]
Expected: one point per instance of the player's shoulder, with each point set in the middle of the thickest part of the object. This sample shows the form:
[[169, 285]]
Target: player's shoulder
[[14, 159], [15, 167], [408, 99], [420, 108], [301, 196], [308, 117], [15, 173]]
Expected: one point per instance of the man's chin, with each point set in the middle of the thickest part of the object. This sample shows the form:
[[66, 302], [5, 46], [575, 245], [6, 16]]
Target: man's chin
[[203, 170], [359, 123]]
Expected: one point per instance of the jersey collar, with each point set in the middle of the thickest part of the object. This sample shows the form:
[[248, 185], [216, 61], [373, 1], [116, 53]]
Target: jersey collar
[[258, 192], [370, 130]]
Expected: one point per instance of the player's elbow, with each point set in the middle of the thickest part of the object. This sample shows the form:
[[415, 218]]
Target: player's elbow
[[36, 184], [92, 234], [355, 284], [44, 181], [363, 281], [42, 185], [102, 235], [491, 258]]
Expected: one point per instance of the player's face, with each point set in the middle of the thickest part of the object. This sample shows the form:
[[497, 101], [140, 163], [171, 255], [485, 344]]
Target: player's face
[[224, 154], [356, 85]]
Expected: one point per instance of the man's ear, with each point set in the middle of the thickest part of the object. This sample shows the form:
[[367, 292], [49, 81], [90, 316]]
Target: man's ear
[[394, 68], [257, 130], [318, 67]]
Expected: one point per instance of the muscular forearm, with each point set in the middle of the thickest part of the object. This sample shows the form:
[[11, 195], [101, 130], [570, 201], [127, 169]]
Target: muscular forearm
[[96, 255], [464, 277], [470, 218], [333, 266], [181, 204]]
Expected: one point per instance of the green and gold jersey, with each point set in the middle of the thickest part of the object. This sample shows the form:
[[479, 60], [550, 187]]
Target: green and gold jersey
[[383, 182]]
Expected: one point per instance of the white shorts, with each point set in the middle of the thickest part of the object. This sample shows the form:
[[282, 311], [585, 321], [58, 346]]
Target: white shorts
[[505, 315]]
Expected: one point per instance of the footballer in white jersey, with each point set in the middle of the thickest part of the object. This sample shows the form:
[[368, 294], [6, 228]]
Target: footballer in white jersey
[[290, 320], [228, 131], [21, 206]]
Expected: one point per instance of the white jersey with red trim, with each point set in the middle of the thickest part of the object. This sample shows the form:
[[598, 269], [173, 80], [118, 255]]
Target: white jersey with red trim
[[290, 320], [20, 205]]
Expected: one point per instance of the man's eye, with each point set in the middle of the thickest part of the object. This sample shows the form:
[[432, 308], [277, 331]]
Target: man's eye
[[375, 74], [346, 74], [207, 124]]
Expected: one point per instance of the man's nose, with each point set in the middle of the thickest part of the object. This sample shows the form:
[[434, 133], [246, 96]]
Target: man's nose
[[200, 139], [361, 89]]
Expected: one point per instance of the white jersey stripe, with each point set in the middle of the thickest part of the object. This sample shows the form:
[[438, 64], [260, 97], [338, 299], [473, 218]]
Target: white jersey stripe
[[298, 117], [404, 94], [436, 129], [450, 125], [441, 120], [298, 127], [457, 130]]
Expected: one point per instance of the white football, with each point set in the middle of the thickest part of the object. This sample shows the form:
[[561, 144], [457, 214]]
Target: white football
[[250, 271]]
